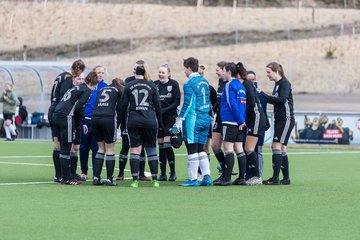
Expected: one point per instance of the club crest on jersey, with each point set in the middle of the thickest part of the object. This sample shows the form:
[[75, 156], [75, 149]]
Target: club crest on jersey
[[169, 88]]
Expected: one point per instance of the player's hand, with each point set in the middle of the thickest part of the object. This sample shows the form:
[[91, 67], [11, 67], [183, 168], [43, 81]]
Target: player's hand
[[85, 129], [177, 126], [241, 127]]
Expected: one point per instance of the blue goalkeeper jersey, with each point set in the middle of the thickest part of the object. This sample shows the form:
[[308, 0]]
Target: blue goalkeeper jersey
[[196, 98]]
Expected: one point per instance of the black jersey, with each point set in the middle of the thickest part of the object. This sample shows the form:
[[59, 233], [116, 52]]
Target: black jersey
[[107, 102], [62, 83], [74, 100], [220, 89], [282, 100], [141, 102], [170, 95], [253, 105], [129, 79]]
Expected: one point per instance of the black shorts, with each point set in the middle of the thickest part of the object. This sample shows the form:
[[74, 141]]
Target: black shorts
[[8, 116], [124, 140], [168, 124], [231, 133], [256, 125], [64, 127], [217, 125], [145, 137], [282, 131], [104, 129]]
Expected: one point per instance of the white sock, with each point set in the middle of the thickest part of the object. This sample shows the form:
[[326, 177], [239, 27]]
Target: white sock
[[7, 131], [12, 129], [193, 165], [204, 163]]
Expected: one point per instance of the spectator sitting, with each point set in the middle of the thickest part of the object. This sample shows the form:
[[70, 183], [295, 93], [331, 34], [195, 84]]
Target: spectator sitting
[[22, 114]]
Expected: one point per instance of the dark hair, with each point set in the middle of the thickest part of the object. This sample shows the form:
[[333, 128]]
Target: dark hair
[[236, 69], [140, 62], [276, 67], [20, 99], [231, 67], [118, 83], [221, 64], [140, 70], [91, 79], [250, 72], [78, 66], [192, 63]]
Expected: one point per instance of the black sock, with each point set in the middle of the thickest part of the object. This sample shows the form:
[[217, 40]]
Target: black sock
[[142, 164], [98, 164], [162, 159], [285, 166], [57, 164], [253, 163], [122, 164], [241, 157], [65, 161], [153, 165], [221, 159], [277, 160], [65, 167], [73, 164], [229, 165], [171, 159], [134, 165], [110, 165]]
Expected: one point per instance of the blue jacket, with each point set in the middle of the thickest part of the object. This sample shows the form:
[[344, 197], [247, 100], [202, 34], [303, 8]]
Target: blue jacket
[[89, 107], [233, 103]]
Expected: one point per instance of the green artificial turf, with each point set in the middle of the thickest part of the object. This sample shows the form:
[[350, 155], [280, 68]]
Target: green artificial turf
[[322, 202]]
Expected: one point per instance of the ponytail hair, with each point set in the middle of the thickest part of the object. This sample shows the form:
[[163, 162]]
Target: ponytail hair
[[241, 70], [276, 67]]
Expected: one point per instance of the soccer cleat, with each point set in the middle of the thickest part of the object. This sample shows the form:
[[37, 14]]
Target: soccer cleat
[[254, 181], [162, 177], [83, 177], [108, 182], [206, 181], [119, 178], [217, 182], [271, 181], [285, 181], [57, 179], [219, 169], [134, 184], [155, 183], [172, 177], [144, 178], [71, 182], [190, 183], [225, 183], [76, 177], [97, 181], [239, 181]]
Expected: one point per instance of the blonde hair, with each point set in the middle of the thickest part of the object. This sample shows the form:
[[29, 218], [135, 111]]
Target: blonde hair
[[167, 66]]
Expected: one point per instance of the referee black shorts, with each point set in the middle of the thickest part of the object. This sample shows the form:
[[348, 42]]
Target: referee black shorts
[[282, 130]]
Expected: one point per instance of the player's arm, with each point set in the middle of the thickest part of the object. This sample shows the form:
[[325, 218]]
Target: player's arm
[[118, 109], [284, 92], [124, 102], [157, 106], [189, 97]]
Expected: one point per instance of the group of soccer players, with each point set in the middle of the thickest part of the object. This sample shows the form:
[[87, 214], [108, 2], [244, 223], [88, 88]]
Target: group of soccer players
[[147, 114]]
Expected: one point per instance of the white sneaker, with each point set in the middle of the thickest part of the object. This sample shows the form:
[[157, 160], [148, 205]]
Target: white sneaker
[[254, 181]]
